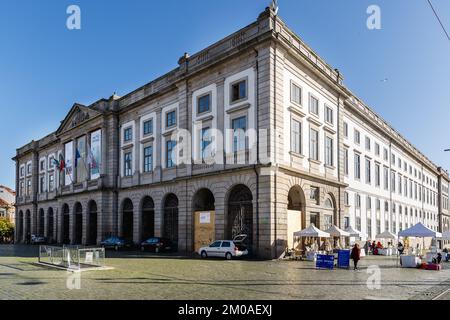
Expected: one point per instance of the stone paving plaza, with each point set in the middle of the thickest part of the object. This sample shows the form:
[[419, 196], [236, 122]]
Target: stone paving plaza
[[146, 276]]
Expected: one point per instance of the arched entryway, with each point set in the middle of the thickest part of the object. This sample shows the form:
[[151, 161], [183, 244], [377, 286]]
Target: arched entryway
[[330, 212], [147, 218], [50, 226], [20, 227], [170, 220], [28, 226], [78, 224], [65, 224], [92, 223], [296, 214], [127, 219], [204, 218], [41, 222], [240, 214]]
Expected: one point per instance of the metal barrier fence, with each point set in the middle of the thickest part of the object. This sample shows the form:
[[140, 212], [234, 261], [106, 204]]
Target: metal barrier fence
[[72, 257]]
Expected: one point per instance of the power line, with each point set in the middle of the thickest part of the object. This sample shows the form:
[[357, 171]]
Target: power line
[[440, 22]]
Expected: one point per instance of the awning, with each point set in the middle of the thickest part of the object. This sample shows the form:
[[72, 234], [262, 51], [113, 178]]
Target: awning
[[336, 232], [312, 231], [386, 235], [445, 236], [353, 232], [419, 230]]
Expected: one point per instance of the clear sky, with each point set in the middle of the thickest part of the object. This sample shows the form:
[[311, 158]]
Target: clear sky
[[45, 68]]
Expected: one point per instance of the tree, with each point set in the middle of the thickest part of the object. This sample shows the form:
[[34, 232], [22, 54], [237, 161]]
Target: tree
[[6, 229]]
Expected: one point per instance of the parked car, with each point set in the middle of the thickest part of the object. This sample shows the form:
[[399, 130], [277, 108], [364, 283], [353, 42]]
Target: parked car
[[35, 239], [157, 244], [117, 243], [227, 249]]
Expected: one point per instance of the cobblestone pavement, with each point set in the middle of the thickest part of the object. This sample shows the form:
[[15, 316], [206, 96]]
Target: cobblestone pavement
[[137, 276]]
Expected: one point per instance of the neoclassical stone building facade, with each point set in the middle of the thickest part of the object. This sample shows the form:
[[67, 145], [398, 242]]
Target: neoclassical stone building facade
[[246, 136]]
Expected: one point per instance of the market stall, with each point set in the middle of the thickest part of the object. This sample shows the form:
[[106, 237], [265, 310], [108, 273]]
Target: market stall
[[423, 257], [337, 234], [389, 249], [312, 235], [357, 235]]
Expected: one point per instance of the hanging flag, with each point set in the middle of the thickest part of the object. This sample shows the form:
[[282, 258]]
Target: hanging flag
[[62, 164], [56, 163], [77, 156]]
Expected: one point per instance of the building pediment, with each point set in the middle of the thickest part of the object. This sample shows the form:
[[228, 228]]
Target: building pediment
[[77, 116]]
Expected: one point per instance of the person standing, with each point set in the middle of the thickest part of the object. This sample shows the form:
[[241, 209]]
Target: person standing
[[356, 256]]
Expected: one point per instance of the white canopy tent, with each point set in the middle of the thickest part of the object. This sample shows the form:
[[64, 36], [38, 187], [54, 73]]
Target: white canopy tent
[[420, 231], [386, 235], [353, 232], [336, 232], [312, 232]]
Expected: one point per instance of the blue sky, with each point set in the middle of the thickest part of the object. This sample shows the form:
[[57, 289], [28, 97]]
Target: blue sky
[[45, 68]]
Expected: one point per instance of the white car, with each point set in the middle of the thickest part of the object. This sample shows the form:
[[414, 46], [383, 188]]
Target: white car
[[227, 249]]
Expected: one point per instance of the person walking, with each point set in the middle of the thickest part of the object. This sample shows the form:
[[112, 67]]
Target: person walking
[[356, 256]]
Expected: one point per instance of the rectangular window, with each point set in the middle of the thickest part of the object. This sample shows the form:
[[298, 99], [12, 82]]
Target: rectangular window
[[345, 130], [357, 137], [148, 159], [358, 223], [329, 115], [28, 168], [346, 199], [393, 181], [346, 222], [42, 165], [148, 127], [377, 175], [315, 195], [204, 104], [328, 151], [22, 171], [328, 221], [21, 188], [313, 105], [28, 187], [386, 178], [368, 172], [239, 126], [127, 134], [296, 94], [51, 182], [171, 119], [377, 149], [368, 203], [313, 144], [385, 154], [393, 159], [358, 201], [368, 146], [239, 91], [170, 156], [42, 184], [296, 137], [314, 219], [400, 184], [205, 142], [127, 161], [357, 166], [346, 162]]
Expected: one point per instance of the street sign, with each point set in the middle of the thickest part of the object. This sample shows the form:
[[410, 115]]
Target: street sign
[[343, 259]]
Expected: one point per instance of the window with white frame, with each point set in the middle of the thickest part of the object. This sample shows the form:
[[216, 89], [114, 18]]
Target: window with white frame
[[386, 178], [170, 154], [357, 166], [368, 171], [357, 137], [296, 137], [313, 144], [377, 175], [377, 149], [346, 161], [238, 90], [128, 134], [148, 127], [313, 105], [296, 94], [148, 159], [328, 151], [204, 103], [345, 129], [171, 118], [127, 164], [368, 146], [329, 117]]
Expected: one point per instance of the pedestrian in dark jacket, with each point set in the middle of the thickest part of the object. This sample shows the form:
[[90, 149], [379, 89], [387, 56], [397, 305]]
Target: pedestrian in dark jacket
[[356, 256]]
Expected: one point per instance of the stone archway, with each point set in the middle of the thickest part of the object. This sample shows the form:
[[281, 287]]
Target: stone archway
[[170, 221], [50, 224], [127, 219], [240, 214], [203, 206], [41, 224], [28, 226], [78, 224], [20, 227], [147, 218], [92, 223], [296, 214], [65, 224]]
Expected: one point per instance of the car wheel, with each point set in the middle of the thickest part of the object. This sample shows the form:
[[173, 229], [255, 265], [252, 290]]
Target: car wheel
[[204, 254], [228, 256]]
